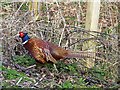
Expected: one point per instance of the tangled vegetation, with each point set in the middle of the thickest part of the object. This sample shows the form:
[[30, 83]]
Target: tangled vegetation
[[19, 69]]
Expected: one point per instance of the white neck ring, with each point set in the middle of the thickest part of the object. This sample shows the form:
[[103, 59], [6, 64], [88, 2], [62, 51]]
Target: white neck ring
[[25, 42]]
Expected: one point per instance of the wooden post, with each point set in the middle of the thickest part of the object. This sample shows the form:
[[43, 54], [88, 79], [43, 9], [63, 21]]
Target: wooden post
[[92, 17], [33, 7], [118, 68]]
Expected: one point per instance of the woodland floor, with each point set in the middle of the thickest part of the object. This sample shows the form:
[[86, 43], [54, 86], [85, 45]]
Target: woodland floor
[[19, 70]]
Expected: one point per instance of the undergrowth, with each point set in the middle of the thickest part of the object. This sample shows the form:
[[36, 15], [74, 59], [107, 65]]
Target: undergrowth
[[67, 75], [11, 75], [24, 60], [92, 78]]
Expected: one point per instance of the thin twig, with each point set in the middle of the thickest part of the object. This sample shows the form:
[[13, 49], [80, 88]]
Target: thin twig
[[63, 22], [40, 80], [19, 80], [30, 67]]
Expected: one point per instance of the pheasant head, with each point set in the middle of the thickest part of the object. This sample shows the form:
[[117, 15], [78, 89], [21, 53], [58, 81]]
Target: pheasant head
[[24, 37]]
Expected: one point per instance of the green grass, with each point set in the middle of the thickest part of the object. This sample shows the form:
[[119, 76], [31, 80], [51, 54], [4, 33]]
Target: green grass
[[24, 60], [11, 74], [62, 67], [67, 84], [102, 72], [98, 72], [79, 83]]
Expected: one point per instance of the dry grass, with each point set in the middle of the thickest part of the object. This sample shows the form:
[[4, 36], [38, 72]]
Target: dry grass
[[62, 24]]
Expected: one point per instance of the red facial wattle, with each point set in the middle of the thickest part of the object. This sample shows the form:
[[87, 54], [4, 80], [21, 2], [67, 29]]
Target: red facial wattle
[[21, 34]]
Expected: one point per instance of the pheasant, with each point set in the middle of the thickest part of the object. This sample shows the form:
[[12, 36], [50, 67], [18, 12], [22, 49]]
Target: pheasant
[[44, 51]]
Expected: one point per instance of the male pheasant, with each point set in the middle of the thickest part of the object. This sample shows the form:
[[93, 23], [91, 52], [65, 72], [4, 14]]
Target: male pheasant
[[44, 51]]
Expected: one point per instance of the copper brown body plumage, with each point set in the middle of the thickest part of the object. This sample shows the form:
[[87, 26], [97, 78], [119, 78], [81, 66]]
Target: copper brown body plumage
[[44, 51]]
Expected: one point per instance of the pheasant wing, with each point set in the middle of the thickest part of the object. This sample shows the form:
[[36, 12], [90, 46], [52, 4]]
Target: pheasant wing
[[49, 57]]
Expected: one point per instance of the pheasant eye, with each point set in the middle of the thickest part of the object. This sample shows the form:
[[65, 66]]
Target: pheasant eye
[[21, 34]]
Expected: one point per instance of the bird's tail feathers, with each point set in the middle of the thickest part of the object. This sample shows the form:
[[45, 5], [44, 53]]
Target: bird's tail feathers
[[83, 54]]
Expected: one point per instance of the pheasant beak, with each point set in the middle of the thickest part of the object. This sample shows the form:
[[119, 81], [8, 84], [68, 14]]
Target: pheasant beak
[[17, 38]]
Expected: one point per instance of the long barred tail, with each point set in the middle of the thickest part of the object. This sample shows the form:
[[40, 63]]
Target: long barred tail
[[83, 54]]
